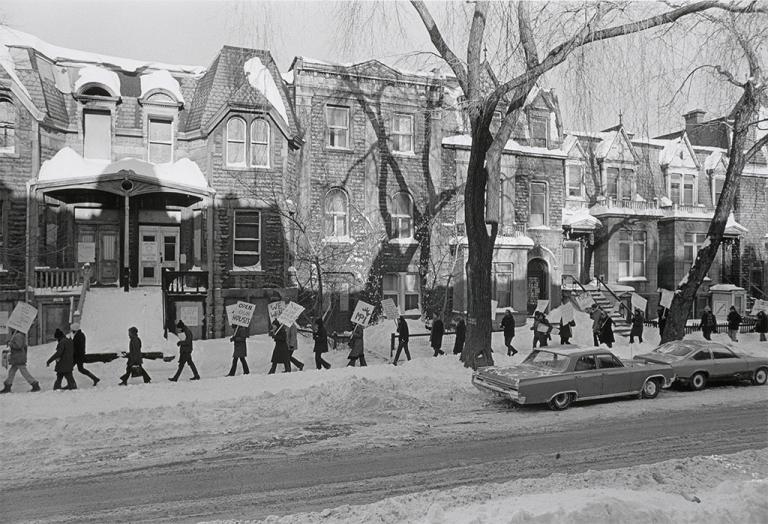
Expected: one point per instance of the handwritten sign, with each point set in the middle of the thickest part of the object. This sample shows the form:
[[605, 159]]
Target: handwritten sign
[[230, 309], [290, 313], [275, 309], [190, 315], [494, 306], [759, 305], [566, 312], [638, 302], [22, 317], [389, 308], [362, 313], [86, 252], [242, 313], [584, 302], [666, 298], [542, 305]]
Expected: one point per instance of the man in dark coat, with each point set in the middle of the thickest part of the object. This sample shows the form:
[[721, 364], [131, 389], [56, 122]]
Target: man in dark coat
[[185, 352], [135, 358], [17, 361], [461, 335], [240, 350], [65, 360], [320, 336], [403, 335], [637, 326], [508, 325], [280, 354], [566, 332], [597, 315], [708, 323], [78, 341], [436, 337], [761, 326], [734, 321], [357, 345], [606, 332], [662, 320]]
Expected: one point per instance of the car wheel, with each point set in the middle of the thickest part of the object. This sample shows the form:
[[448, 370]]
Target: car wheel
[[698, 381], [651, 388], [760, 377], [561, 401]]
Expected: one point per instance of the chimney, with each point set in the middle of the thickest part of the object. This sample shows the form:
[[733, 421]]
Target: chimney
[[693, 118]]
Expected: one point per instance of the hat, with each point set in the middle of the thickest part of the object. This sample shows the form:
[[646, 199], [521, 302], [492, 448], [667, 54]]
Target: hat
[[179, 324], [75, 326], [58, 334]]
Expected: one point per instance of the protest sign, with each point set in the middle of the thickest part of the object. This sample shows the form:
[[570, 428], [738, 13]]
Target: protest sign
[[362, 314], [3, 322], [541, 305], [230, 309], [242, 314], [584, 302], [638, 302], [22, 317], [290, 313], [666, 298], [190, 315], [274, 309], [566, 311], [759, 305], [390, 309]]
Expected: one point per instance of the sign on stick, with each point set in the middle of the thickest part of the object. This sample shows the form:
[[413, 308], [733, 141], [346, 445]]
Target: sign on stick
[[290, 313], [362, 313], [638, 302], [759, 305], [566, 311], [274, 309], [666, 298], [242, 314], [190, 315], [584, 302], [3, 322], [22, 317], [390, 309], [541, 305]]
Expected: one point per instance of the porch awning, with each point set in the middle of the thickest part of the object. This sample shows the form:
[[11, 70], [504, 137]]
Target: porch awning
[[733, 228], [580, 219], [68, 169]]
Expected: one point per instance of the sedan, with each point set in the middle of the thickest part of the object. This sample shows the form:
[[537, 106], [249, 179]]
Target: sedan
[[696, 362]]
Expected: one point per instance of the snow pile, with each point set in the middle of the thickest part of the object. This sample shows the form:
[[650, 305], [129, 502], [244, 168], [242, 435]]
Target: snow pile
[[712, 161], [163, 80], [92, 74], [261, 79]]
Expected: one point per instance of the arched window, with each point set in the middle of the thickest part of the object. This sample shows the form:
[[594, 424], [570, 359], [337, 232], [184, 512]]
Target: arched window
[[260, 143], [7, 126], [336, 212], [236, 142], [402, 215]]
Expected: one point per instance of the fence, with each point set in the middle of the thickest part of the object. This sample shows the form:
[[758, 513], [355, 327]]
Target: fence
[[746, 326]]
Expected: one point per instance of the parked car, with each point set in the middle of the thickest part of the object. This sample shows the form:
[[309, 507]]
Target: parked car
[[560, 376], [697, 361]]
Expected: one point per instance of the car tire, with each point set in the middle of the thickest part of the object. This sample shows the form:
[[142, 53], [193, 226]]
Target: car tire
[[651, 388], [698, 381], [760, 377], [561, 401]]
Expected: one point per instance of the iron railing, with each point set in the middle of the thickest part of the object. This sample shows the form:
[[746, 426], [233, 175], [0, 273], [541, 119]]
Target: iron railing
[[58, 279]]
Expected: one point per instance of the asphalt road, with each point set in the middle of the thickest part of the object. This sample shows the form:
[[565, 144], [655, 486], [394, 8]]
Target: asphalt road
[[251, 487]]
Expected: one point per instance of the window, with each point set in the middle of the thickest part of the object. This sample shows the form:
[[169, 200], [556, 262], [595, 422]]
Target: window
[[97, 135], [402, 133], [719, 353], [197, 236], [236, 142], [692, 242], [618, 183], [538, 129], [631, 254], [538, 202], [502, 283], [702, 355], [609, 361], [402, 216], [336, 205], [160, 140], [3, 227], [337, 120], [7, 127], [585, 363], [717, 188], [260, 143], [403, 288], [574, 182], [571, 262], [247, 242], [682, 189]]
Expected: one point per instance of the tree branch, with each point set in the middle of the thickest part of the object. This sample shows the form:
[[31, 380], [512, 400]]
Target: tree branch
[[757, 146], [474, 47], [440, 44], [526, 36]]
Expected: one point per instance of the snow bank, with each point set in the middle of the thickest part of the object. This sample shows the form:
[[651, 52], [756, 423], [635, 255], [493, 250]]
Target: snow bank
[[92, 74], [161, 79], [261, 79], [511, 145]]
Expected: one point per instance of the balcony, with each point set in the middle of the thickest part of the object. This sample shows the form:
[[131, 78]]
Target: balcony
[[56, 281], [193, 282], [615, 206]]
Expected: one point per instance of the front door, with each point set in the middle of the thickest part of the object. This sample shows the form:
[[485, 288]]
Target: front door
[[158, 249], [107, 253]]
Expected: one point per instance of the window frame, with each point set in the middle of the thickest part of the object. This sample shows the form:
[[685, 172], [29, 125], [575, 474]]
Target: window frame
[[235, 238], [397, 218], [715, 195], [103, 113], [624, 174], [164, 119], [396, 134], [545, 217], [694, 244], [496, 293], [228, 141], [252, 142], [568, 167], [400, 293], [632, 241], [335, 215], [329, 127], [8, 129], [681, 179]]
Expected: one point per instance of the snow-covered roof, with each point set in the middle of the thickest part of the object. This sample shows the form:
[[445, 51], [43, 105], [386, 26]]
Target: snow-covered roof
[[261, 79], [733, 228], [93, 74], [288, 77], [606, 142], [580, 219], [513, 146], [501, 241], [68, 165], [725, 287], [163, 80], [679, 153], [712, 160]]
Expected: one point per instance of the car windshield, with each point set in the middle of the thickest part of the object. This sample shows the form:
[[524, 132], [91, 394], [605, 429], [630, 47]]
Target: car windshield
[[674, 349], [547, 360]]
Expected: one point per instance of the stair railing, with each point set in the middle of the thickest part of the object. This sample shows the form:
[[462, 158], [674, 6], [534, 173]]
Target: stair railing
[[614, 295]]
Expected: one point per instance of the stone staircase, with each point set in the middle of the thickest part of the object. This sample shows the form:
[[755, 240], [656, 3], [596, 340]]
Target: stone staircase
[[620, 326]]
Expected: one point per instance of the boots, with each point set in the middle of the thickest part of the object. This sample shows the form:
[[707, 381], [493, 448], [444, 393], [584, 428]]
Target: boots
[[6, 388], [35, 387]]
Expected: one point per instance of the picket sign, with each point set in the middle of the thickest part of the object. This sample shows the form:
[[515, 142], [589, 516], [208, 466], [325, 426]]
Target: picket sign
[[638, 302], [22, 317], [759, 305], [242, 313], [362, 313], [666, 298], [541, 305], [274, 309], [290, 314], [390, 309], [585, 302], [230, 310], [566, 311]]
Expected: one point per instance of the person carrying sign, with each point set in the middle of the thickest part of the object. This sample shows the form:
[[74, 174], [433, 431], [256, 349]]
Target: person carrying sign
[[403, 334], [541, 328], [185, 352], [280, 353], [708, 323], [78, 341], [320, 336], [357, 345], [292, 339], [18, 361], [65, 360], [240, 350], [135, 359], [637, 320]]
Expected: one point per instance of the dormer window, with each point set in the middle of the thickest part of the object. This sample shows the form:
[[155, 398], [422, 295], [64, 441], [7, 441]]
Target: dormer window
[[160, 140], [236, 142], [8, 117], [618, 183], [682, 189], [574, 182], [97, 135]]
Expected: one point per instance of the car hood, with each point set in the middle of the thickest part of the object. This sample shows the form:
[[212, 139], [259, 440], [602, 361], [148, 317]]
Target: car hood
[[514, 374]]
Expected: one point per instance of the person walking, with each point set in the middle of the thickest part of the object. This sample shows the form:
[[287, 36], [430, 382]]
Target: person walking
[[135, 358], [357, 344], [734, 321], [606, 331], [240, 349], [566, 333], [436, 337], [708, 323], [17, 361], [78, 341], [185, 352], [541, 328], [293, 345], [761, 326], [320, 337], [637, 326], [402, 339], [461, 336], [280, 353], [65, 360], [597, 316], [508, 326], [662, 319]]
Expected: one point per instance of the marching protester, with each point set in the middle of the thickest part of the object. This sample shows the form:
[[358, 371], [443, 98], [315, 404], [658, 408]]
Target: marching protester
[[436, 337], [293, 344], [403, 335], [240, 349], [761, 326], [280, 353], [597, 315], [662, 320], [566, 333], [606, 331], [78, 341], [508, 326], [17, 361], [541, 328], [358, 347], [135, 359], [320, 336], [708, 323], [636, 320], [461, 335], [185, 352], [734, 321], [65, 360]]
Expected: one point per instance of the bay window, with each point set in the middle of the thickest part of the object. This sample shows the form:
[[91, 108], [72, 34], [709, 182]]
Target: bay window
[[632, 249]]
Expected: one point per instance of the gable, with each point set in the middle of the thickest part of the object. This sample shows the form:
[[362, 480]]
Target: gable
[[679, 155], [620, 150], [373, 68]]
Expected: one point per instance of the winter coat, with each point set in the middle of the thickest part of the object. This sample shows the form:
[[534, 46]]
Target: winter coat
[[185, 346], [708, 322], [18, 346], [64, 356], [461, 335], [357, 344], [321, 340], [135, 357], [637, 325], [403, 333], [508, 325], [761, 326], [535, 328], [280, 353], [606, 331], [292, 338], [734, 320], [565, 329], [436, 338], [597, 319], [239, 337], [78, 341]]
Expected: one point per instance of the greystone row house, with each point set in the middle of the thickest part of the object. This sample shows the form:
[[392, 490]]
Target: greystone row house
[[236, 182]]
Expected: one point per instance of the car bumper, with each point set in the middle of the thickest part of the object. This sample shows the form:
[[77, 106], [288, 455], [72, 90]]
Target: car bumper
[[498, 391]]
